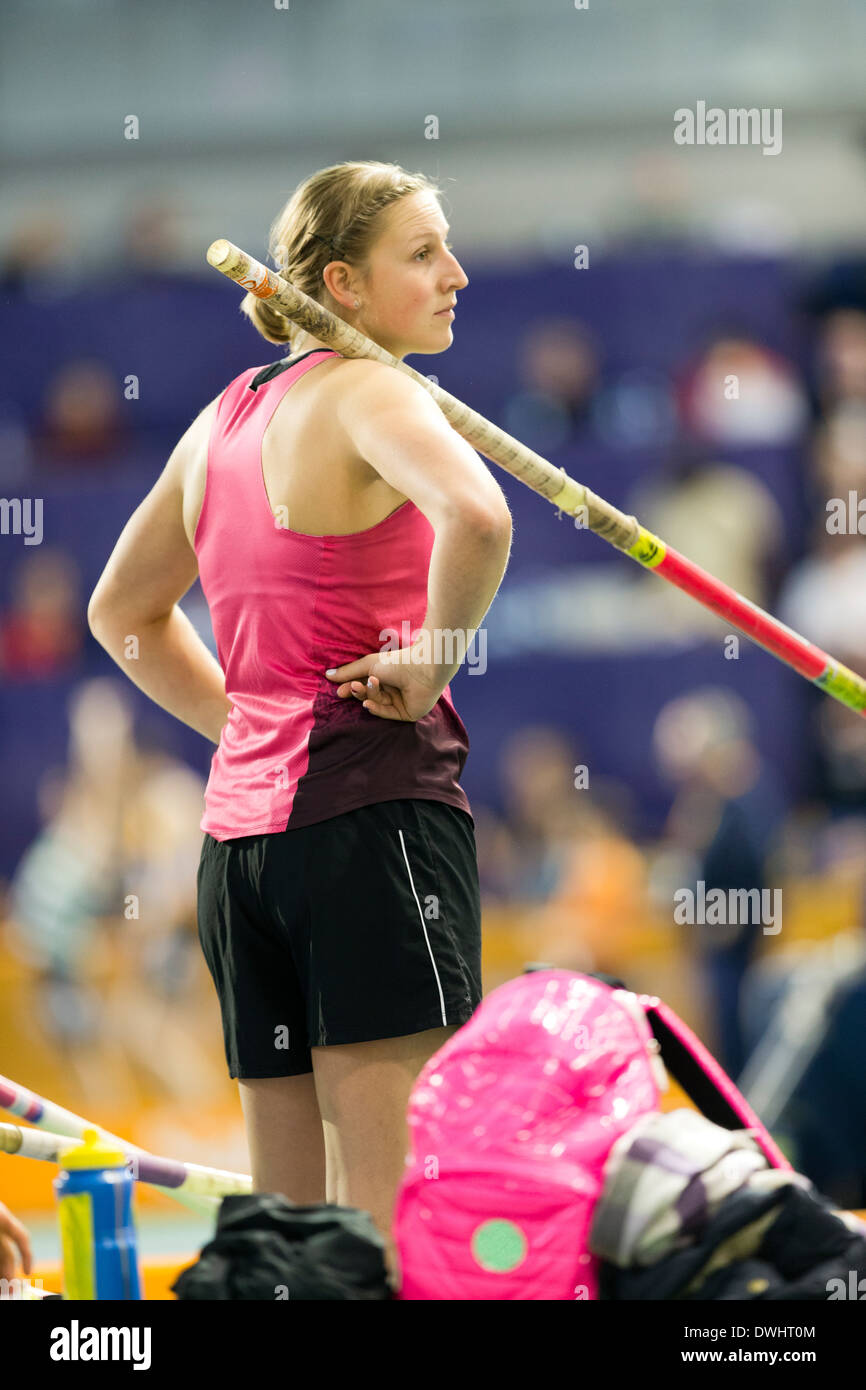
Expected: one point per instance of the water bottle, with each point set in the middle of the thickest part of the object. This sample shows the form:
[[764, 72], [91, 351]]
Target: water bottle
[[94, 1212]]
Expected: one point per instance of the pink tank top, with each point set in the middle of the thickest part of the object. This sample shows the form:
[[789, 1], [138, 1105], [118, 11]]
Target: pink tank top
[[284, 607]]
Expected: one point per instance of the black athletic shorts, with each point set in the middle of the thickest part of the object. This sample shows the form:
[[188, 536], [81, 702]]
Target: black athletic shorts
[[363, 926]]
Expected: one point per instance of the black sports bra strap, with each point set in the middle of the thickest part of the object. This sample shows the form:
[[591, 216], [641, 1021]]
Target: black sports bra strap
[[274, 370]]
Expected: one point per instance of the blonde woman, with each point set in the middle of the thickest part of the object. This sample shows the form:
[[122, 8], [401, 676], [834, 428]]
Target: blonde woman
[[338, 524]]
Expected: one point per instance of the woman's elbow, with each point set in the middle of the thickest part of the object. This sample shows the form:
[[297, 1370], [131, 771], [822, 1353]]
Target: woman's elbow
[[489, 522], [102, 612], [96, 617], [497, 526]]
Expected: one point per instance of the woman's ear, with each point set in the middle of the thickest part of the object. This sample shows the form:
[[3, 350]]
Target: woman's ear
[[338, 282]]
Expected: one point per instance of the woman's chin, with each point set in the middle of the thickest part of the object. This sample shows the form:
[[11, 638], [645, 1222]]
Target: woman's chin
[[444, 338], [438, 341]]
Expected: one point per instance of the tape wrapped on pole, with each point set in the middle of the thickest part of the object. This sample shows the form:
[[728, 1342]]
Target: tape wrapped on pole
[[554, 484]]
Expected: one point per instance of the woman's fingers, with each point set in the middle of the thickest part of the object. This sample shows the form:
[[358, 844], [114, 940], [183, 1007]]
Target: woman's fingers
[[371, 690], [364, 688], [12, 1230], [377, 691], [8, 1260], [388, 701], [381, 711], [343, 676], [349, 688], [359, 690]]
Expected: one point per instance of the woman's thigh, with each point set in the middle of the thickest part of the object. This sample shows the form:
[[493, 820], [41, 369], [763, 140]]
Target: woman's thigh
[[363, 1092]]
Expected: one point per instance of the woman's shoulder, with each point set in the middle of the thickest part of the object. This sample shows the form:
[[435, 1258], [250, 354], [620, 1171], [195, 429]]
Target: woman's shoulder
[[368, 382]]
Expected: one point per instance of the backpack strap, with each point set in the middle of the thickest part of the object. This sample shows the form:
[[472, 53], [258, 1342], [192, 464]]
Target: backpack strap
[[694, 1068]]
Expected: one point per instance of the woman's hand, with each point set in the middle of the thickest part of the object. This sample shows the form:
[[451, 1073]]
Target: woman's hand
[[13, 1234], [392, 685]]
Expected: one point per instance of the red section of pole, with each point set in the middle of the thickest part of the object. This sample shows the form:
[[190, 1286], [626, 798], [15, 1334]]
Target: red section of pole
[[804, 656]]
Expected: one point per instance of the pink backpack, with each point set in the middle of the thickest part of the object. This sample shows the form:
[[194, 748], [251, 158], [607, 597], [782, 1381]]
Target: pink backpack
[[510, 1126]]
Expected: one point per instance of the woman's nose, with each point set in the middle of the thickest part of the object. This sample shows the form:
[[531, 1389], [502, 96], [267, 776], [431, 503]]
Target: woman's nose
[[462, 279]]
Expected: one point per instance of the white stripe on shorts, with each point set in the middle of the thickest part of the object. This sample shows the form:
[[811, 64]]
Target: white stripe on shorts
[[423, 927]]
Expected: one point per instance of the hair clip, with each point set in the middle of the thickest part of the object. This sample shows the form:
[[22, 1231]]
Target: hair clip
[[328, 242]]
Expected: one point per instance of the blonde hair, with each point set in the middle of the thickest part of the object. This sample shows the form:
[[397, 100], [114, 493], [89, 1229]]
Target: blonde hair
[[332, 216]]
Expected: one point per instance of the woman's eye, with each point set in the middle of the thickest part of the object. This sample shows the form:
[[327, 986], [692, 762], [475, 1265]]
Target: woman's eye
[[426, 250]]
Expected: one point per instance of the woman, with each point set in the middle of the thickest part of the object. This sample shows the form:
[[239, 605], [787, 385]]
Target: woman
[[327, 505]]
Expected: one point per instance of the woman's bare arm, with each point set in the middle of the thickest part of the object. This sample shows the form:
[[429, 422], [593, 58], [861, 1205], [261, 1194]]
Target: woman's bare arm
[[133, 611], [401, 432], [399, 429]]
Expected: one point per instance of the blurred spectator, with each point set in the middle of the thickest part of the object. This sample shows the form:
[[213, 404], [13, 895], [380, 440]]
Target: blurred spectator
[[824, 598], [724, 821], [558, 382], [841, 357], [825, 1117], [522, 856], [636, 411], [16, 449], [162, 845], [150, 236], [841, 738], [72, 874], [595, 915], [561, 853], [748, 225], [102, 904], [146, 1007], [42, 633], [652, 203], [807, 1011], [824, 595], [839, 464], [724, 519], [39, 254], [82, 417], [739, 392]]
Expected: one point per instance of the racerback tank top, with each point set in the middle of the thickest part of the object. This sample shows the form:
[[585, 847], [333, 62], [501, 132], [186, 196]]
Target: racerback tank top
[[284, 607]]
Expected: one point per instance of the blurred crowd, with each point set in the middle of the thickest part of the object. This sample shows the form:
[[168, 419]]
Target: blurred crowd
[[733, 396], [789, 1022], [100, 909], [82, 425]]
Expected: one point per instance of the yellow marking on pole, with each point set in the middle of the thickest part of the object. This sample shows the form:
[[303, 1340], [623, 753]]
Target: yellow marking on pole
[[845, 684], [647, 549]]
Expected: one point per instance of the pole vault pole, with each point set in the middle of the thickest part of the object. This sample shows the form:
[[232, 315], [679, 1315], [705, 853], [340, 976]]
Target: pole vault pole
[[45, 1114], [593, 512], [169, 1174]]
